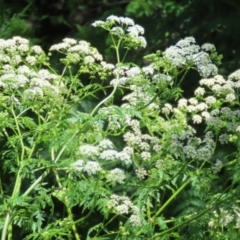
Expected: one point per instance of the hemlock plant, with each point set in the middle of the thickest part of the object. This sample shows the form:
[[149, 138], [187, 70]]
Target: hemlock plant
[[155, 166]]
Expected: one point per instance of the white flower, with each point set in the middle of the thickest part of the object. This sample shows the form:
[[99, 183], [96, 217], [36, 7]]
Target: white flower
[[92, 167], [157, 148], [224, 138], [219, 79], [205, 114], [235, 75], [169, 106], [193, 101], [238, 129], [226, 112], [89, 60], [215, 112], [115, 176], [78, 165], [98, 23], [210, 100], [190, 152], [191, 108], [201, 106], [148, 70], [120, 204], [107, 66], [105, 144], [141, 173], [208, 82], [204, 153], [37, 49], [208, 47], [176, 54], [70, 41], [199, 91], [128, 150], [144, 146], [117, 31], [230, 97], [132, 72], [59, 46], [109, 154], [217, 88], [31, 60], [187, 41], [24, 70], [126, 21], [124, 157], [141, 41], [182, 103], [146, 156], [197, 119], [113, 18], [217, 166], [88, 150], [165, 110], [135, 220], [12, 81], [135, 30], [33, 93]]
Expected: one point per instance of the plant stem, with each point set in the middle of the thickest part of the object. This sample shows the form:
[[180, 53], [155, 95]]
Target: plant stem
[[172, 197], [5, 227], [187, 221], [69, 211]]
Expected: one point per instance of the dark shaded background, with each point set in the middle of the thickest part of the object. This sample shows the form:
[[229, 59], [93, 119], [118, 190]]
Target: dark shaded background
[[47, 22]]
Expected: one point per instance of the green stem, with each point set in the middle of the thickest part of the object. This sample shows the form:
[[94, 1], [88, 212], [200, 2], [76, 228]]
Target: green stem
[[7, 221], [172, 197], [5, 227], [20, 136], [18, 180], [27, 7], [187, 221], [70, 215], [69, 211], [104, 100], [36, 183]]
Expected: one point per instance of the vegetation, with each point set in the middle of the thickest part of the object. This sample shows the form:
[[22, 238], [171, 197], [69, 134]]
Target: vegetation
[[115, 145]]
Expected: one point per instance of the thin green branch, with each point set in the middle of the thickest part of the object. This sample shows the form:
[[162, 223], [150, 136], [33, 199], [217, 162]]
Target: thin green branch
[[172, 197]]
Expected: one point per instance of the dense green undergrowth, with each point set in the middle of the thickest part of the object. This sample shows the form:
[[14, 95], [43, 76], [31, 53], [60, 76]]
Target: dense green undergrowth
[[78, 163]]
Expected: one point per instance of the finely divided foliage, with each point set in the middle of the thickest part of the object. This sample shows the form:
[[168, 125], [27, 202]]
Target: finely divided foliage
[[156, 165]]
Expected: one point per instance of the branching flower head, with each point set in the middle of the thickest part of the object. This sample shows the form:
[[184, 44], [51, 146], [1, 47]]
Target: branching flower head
[[125, 29], [187, 52]]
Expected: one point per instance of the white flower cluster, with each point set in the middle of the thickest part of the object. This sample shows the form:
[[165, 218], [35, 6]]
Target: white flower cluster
[[114, 121], [144, 144], [33, 84], [77, 51], [217, 166], [125, 29], [186, 51], [124, 74], [141, 173], [185, 145], [137, 81], [103, 151], [17, 72], [224, 217], [123, 205], [115, 175], [18, 50], [90, 167], [207, 104]]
